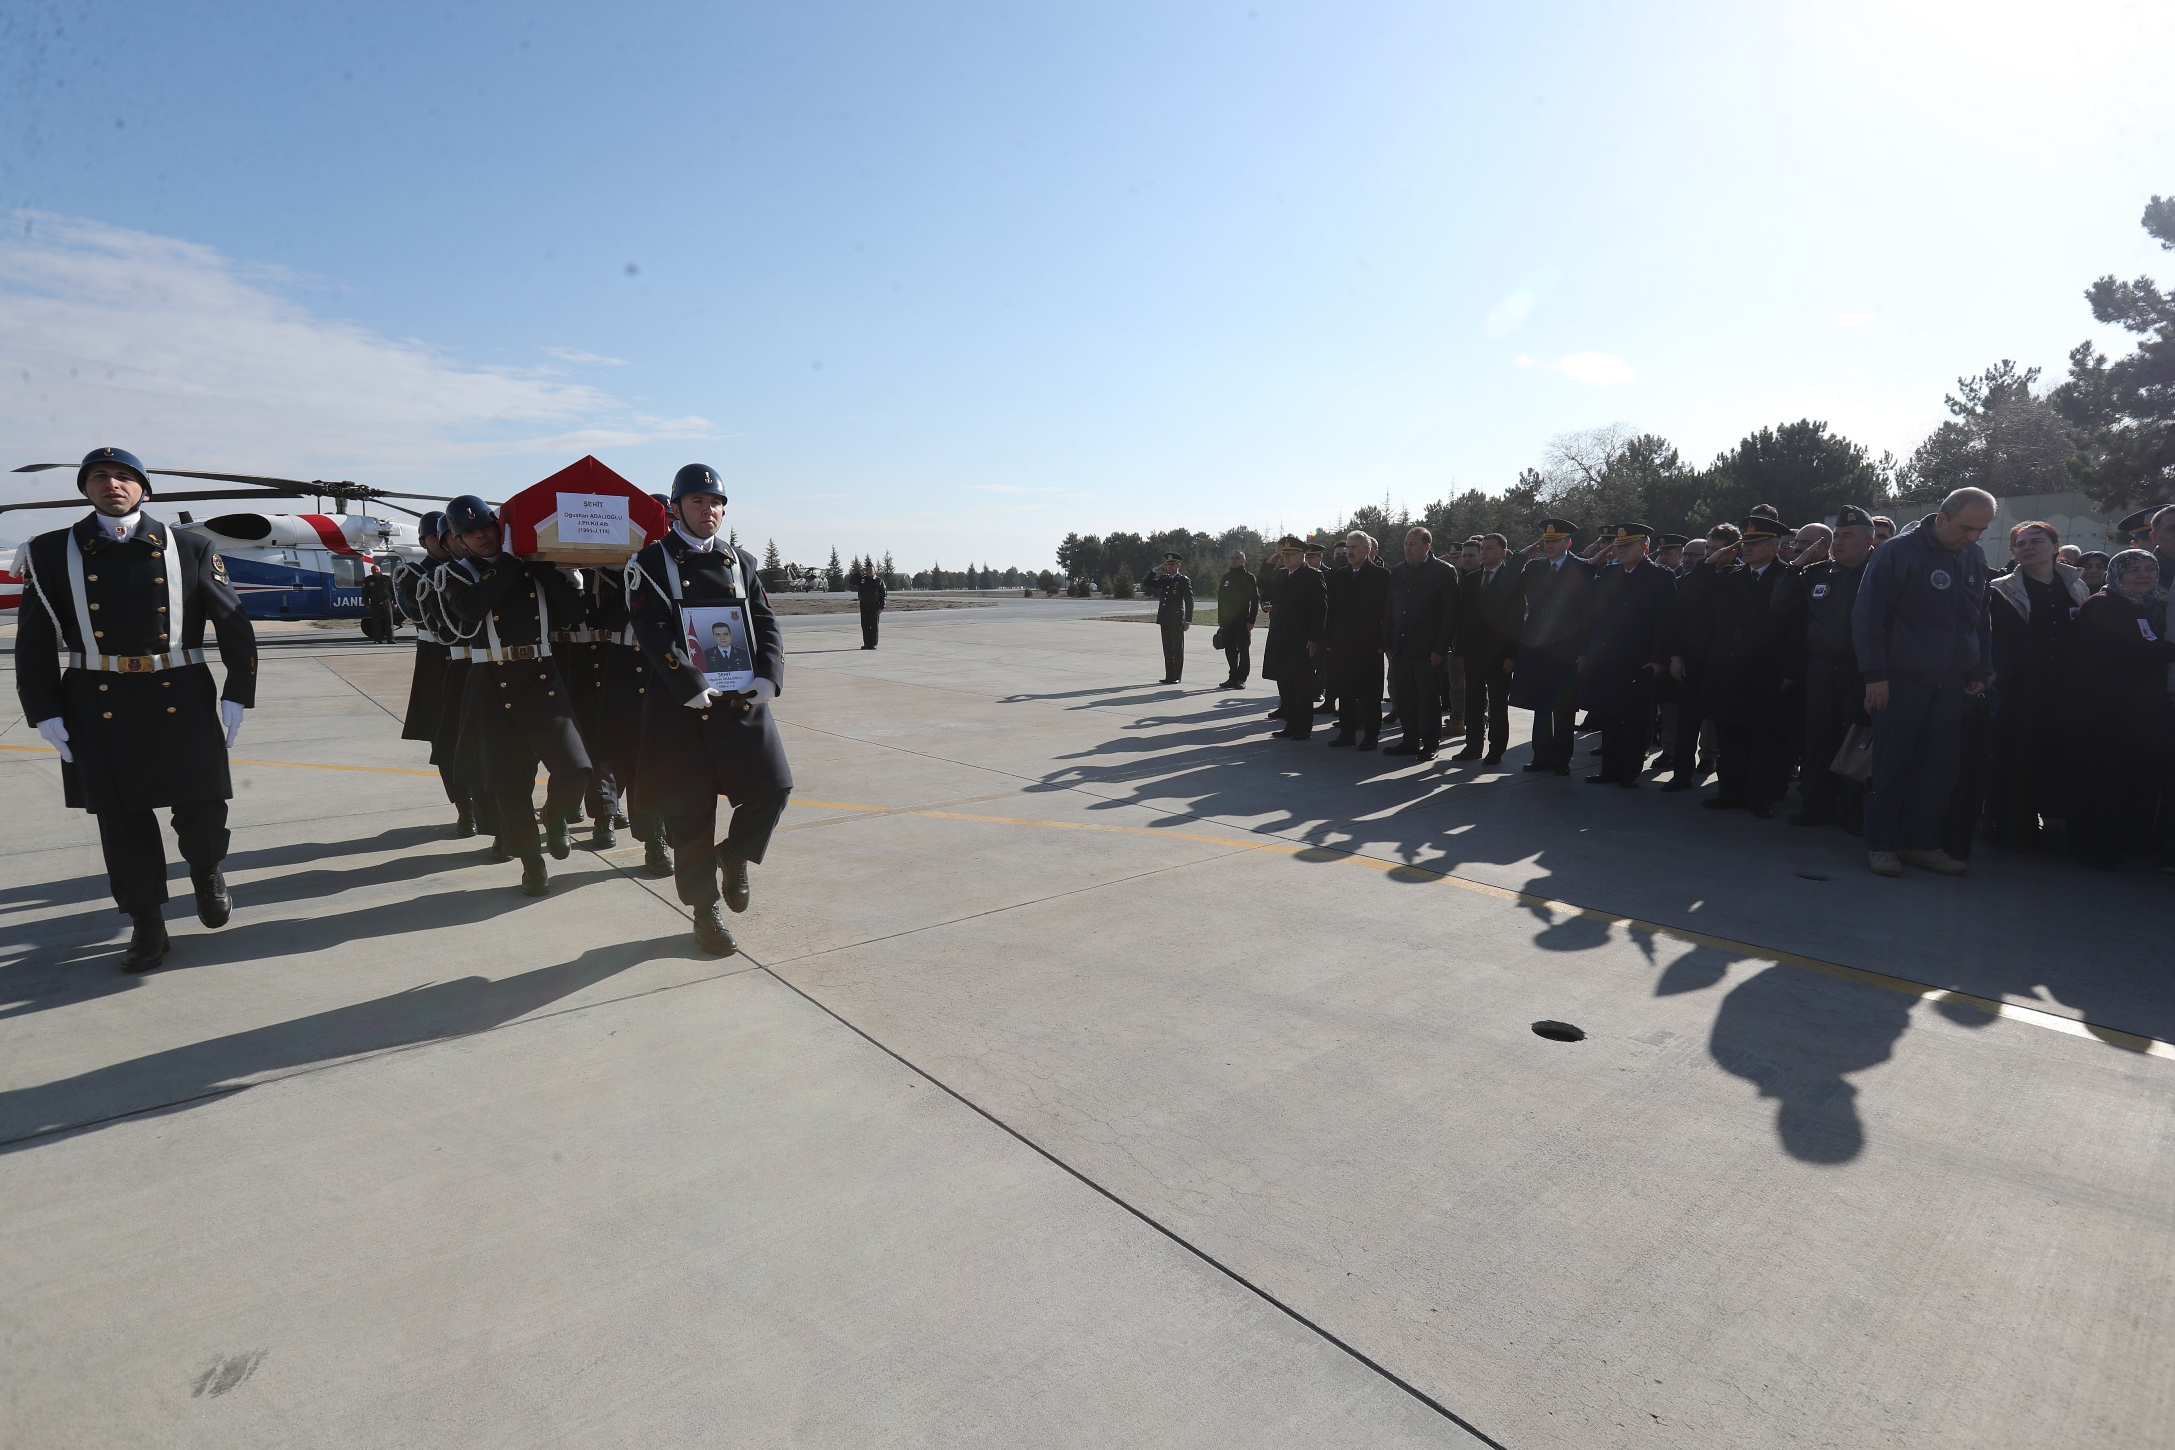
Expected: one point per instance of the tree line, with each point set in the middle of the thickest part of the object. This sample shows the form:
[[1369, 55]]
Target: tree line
[[2107, 431]]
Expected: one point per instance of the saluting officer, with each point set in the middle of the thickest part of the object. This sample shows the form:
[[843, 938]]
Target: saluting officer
[[1627, 654], [1173, 593], [417, 587], [134, 716], [1745, 676], [699, 743], [872, 595], [516, 699]]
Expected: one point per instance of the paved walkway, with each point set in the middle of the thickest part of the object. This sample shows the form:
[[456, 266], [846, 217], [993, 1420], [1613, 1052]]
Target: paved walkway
[[1098, 1072]]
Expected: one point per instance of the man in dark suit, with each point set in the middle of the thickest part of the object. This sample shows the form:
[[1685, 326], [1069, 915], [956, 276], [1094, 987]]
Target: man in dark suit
[[1421, 629], [722, 656], [1359, 599], [1490, 607], [1627, 654], [1297, 631], [1743, 691], [1558, 620]]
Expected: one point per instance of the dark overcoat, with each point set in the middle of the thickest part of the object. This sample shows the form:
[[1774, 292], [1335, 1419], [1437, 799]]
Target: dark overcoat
[[1629, 647], [1747, 647], [1558, 622], [731, 747], [145, 739], [416, 589], [1359, 606], [513, 710], [1300, 618]]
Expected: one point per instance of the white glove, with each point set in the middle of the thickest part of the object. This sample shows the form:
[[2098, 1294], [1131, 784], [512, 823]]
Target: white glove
[[56, 735], [230, 715], [763, 691], [703, 700]]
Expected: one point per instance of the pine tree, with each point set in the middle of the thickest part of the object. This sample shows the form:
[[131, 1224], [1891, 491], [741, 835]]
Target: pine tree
[[835, 574], [890, 574], [770, 554]]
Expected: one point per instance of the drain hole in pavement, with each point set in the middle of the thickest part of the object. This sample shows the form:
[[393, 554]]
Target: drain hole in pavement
[[1815, 875], [1558, 1032]]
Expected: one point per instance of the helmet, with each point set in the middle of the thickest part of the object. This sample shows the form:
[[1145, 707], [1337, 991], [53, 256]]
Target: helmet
[[696, 478], [468, 513], [120, 456], [432, 525], [662, 501]]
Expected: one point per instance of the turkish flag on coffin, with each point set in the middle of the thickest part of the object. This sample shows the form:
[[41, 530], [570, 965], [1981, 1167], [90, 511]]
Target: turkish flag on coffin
[[583, 514]]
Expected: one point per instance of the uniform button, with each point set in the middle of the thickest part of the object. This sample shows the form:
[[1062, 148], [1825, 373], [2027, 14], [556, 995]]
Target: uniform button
[[92, 577], [94, 606], [551, 692], [102, 689], [706, 717], [509, 706], [162, 609], [107, 716], [98, 634], [169, 709], [164, 684], [158, 581], [505, 685]]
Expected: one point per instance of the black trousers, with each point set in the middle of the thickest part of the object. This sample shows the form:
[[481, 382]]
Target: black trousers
[[1359, 709], [1748, 762], [1684, 750], [695, 848], [1174, 649], [1624, 733], [1555, 735], [136, 852], [1295, 694], [1834, 697], [869, 618], [456, 792], [1240, 656], [1419, 710], [1487, 697]]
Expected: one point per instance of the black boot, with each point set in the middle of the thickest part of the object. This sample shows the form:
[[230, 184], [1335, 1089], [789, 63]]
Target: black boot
[[735, 880], [148, 943], [464, 825], [602, 837], [656, 860], [213, 905], [1343, 737], [499, 854], [535, 880], [711, 932], [558, 841]]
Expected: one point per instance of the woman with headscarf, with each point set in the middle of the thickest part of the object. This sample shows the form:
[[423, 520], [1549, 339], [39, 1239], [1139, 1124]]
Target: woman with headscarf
[[2120, 687], [2032, 608]]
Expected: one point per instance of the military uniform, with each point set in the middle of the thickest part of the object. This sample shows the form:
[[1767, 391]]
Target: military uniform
[[516, 704], [138, 702], [1627, 653], [1742, 689], [730, 746], [433, 677], [1815, 603], [1173, 615], [1299, 618], [872, 597]]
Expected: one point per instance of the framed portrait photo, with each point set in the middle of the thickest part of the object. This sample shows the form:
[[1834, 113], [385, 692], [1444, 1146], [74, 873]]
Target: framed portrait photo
[[718, 643]]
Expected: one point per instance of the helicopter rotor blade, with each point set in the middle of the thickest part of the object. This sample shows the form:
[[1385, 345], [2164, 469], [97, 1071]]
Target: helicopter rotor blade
[[39, 467]]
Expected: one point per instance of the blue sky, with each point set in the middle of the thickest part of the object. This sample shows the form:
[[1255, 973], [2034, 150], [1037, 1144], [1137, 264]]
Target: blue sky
[[951, 280]]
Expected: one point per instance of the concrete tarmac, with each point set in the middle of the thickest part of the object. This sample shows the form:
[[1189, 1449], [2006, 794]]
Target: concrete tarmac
[[1096, 1071]]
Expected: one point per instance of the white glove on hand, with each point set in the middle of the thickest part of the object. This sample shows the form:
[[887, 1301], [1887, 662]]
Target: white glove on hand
[[763, 691], [230, 715], [56, 735], [703, 700]]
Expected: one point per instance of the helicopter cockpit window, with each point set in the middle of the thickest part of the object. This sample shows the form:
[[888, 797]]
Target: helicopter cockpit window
[[347, 571]]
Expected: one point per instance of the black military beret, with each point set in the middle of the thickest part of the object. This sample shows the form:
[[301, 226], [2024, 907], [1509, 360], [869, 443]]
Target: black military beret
[[1850, 515]]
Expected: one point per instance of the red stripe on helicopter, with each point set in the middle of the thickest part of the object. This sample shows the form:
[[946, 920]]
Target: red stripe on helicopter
[[328, 531]]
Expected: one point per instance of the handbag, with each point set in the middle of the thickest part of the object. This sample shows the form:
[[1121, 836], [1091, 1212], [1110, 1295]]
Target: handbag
[[1854, 759], [1216, 641]]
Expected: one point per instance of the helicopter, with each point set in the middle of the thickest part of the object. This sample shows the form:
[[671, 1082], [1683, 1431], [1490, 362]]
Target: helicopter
[[284, 566]]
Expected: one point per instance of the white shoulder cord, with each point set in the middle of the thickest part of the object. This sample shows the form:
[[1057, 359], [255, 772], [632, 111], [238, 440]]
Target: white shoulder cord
[[30, 572], [174, 617]]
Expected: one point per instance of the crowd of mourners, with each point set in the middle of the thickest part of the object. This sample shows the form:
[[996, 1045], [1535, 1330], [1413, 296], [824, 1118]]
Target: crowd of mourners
[[1908, 692]]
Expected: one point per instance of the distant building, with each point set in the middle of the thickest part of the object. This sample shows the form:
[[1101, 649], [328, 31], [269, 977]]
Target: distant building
[[2071, 514]]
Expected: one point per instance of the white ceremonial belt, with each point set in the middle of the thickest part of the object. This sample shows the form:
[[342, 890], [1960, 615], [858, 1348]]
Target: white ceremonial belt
[[459, 652], [424, 636], [136, 664], [512, 653]]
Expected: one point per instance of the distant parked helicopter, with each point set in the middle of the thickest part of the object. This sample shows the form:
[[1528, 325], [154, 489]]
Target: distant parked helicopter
[[284, 566]]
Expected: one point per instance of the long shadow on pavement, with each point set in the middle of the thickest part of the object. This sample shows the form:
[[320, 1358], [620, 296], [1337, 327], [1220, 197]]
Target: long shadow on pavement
[[183, 1077]]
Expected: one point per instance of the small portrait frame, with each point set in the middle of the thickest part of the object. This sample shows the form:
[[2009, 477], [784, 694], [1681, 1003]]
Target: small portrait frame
[[719, 644]]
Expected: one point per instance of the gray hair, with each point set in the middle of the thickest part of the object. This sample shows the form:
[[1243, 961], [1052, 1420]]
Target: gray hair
[[1964, 498]]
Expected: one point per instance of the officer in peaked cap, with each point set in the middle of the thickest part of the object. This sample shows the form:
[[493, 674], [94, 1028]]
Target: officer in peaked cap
[[2136, 529], [700, 741], [1627, 654], [417, 587], [1744, 683], [1558, 592], [1669, 551], [1173, 592], [134, 716], [515, 700]]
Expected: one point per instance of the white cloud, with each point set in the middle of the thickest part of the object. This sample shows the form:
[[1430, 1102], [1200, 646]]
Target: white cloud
[[575, 357], [1010, 488], [168, 348], [1855, 319], [1508, 315]]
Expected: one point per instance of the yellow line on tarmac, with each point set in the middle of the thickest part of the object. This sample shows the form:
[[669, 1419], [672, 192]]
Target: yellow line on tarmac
[[288, 764], [2031, 1016]]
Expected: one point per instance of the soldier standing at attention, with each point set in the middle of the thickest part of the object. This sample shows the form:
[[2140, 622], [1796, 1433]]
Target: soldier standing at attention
[[1815, 599], [1627, 654], [1173, 614], [377, 598], [418, 589], [697, 743], [517, 702], [1359, 607], [1297, 629], [1238, 601], [134, 716], [873, 595]]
